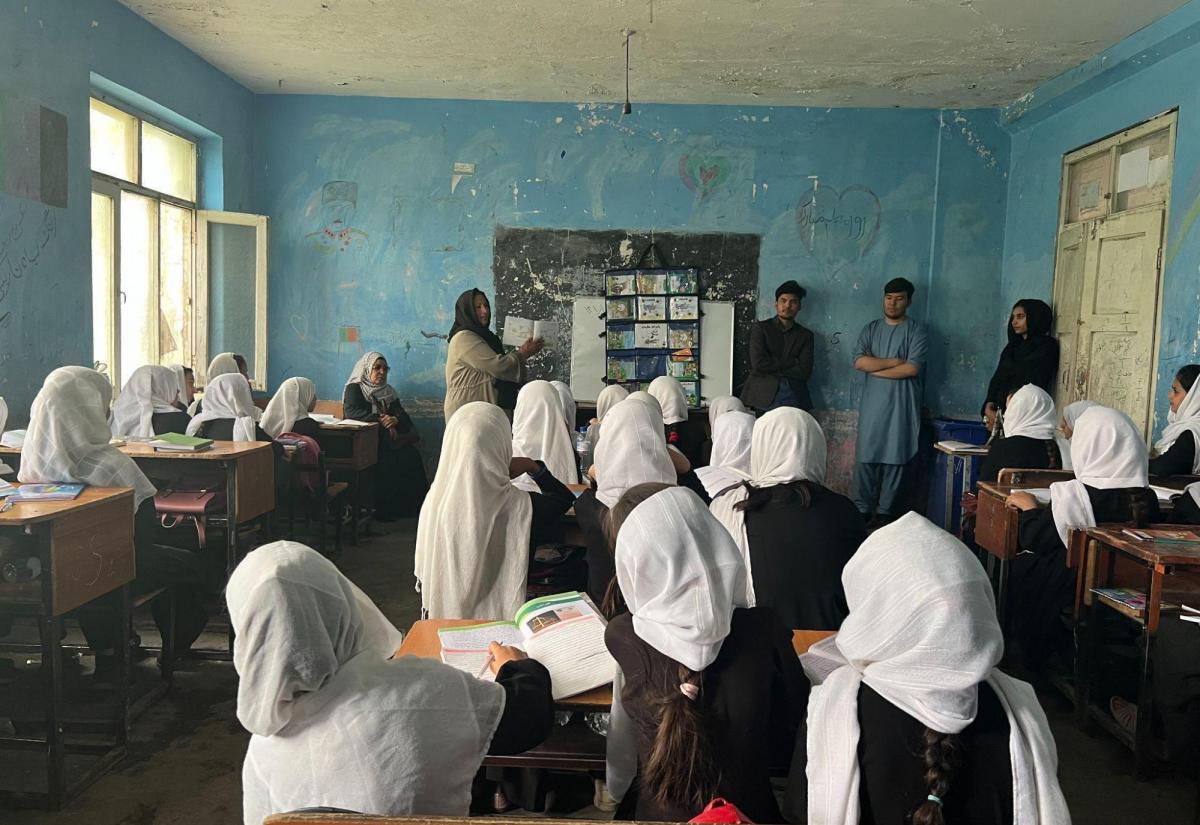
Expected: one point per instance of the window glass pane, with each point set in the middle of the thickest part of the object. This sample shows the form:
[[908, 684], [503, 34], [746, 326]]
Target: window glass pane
[[1144, 171], [114, 142], [102, 282], [139, 265], [168, 163], [174, 283], [231, 290], [1089, 182]]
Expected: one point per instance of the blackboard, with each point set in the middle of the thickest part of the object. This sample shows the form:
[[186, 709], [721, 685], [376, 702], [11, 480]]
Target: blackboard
[[539, 272]]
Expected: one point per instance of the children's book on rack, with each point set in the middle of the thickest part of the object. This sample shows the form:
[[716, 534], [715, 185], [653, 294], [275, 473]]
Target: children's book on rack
[[652, 328]]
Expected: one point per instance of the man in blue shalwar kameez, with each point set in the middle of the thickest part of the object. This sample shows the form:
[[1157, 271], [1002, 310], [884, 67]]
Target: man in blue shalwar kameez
[[891, 353]]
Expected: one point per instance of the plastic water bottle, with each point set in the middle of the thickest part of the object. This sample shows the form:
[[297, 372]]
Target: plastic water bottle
[[583, 448]]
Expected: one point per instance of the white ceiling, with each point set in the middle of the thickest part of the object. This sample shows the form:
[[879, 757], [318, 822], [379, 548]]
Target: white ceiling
[[913, 53]]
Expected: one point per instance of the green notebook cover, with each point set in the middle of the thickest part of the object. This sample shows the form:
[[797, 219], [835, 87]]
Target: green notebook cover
[[177, 440]]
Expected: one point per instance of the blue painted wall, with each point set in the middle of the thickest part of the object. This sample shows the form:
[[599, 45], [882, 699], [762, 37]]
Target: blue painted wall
[[1148, 73], [411, 240], [53, 51]]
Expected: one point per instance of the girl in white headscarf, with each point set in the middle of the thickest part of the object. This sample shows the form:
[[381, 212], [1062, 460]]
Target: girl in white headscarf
[[669, 394], [337, 723], [729, 463], [1029, 430], [710, 694], [1071, 413], [909, 685], [67, 441], [399, 477], [605, 401], [1110, 485], [567, 400], [540, 433], [476, 530], [631, 452], [288, 410], [228, 412], [795, 534], [225, 363], [721, 405], [146, 406], [1178, 451]]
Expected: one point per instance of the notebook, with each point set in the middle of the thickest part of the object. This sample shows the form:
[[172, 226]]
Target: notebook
[[13, 438], [564, 632], [1132, 599], [963, 447], [47, 492], [334, 421], [176, 443]]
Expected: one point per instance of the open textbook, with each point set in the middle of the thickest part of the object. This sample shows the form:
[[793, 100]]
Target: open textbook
[[564, 632], [518, 330]]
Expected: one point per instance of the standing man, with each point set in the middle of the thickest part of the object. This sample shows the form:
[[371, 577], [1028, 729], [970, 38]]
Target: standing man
[[891, 351], [781, 356]]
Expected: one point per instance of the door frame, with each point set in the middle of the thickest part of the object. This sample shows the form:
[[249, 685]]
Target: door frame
[[1111, 143]]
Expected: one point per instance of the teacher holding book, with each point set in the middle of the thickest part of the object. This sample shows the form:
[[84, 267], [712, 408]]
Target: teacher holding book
[[477, 367]]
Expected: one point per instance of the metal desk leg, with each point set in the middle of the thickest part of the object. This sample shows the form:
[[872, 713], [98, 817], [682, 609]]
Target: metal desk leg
[[230, 469], [948, 512], [1141, 731], [51, 629], [1002, 594], [968, 464], [125, 673]]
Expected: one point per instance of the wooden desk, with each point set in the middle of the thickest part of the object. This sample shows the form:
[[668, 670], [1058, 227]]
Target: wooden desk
[[85, 547], [1156, 561], [349, 451], [422, 641]]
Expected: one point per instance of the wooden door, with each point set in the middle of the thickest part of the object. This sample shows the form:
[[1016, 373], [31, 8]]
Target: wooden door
[[1113, 359], [1068, 292]]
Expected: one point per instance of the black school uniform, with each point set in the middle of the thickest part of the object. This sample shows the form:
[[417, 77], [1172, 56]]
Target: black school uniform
[[308, 427], [590, 513], [528, 714], [1020, 452], [1041, 585], [172, 422], [400, 483], [756, 695], [797, 555], [221, 429], [1179, 459], [892, 773]]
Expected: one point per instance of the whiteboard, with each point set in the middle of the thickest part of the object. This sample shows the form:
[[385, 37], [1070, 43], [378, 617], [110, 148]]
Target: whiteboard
[[587, 349]]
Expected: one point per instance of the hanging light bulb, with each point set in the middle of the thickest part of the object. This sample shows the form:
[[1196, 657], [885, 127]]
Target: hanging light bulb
[[627, 108]]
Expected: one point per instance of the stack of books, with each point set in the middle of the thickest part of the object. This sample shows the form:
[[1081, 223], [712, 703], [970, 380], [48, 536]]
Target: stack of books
[[176, 443]]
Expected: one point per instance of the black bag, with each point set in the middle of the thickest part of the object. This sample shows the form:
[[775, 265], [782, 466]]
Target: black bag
[[557, 568]]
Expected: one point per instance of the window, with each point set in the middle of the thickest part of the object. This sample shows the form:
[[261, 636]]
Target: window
[[150, 302]]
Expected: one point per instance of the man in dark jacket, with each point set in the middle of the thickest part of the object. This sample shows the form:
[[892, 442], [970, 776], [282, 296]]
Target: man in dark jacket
[[781, 356]]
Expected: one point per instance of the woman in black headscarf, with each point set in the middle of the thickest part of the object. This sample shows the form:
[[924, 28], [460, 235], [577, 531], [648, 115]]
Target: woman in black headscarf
[[1031, 356], [477, 367]]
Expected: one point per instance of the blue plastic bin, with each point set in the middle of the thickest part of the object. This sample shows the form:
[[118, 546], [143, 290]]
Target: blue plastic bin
[[950, 429]]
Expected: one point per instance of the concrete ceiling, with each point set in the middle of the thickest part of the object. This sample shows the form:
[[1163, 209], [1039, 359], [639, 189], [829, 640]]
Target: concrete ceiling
[[912, 53]]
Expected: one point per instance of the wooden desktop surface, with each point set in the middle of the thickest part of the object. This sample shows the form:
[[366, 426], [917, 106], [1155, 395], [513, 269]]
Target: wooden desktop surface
[[141, 449], [422, 641], [1152, 553], [90, 546]]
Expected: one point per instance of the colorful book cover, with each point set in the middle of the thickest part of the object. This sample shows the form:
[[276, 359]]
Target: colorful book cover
[[650, 367], [624, 283], [650, 336], [651, 282], [620, 309], [684, 282], [691, 389], [621, 369], [682, 335], [652, 309], [685, 308], [683, 370], [621, 337]]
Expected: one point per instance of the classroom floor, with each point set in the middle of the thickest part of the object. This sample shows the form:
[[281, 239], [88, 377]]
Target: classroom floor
[[185, 756]]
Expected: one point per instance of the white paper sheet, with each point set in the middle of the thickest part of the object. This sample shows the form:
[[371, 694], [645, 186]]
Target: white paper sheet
[[516, 331], [1041, 494], [1133, 171]]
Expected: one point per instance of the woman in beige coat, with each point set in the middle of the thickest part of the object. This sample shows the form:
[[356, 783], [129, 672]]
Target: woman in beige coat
[[476, 362]]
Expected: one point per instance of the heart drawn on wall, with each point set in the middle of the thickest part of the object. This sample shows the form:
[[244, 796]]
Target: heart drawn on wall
[[300, 326], [703, 173], [838, 228]]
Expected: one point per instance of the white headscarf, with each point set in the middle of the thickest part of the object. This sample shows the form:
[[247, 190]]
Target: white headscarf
[[472, 552], [1107, 452], [227, 396], [149, 390], [1185, 419], [334, 723], [787, 445], [291, 404], [633, 451], [180, 373], [4, 468], [68, 434], [567, 401], [608, 398], [670, 396], [643, 397], [721, 405], [223, 364], [538, 431], [681, 576], [1030, 413], [922, 633], [1070, 415], [730, 460], [380, 396]]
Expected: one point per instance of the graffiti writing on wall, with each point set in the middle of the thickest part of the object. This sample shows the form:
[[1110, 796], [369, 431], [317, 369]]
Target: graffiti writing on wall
[[837, 228]]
